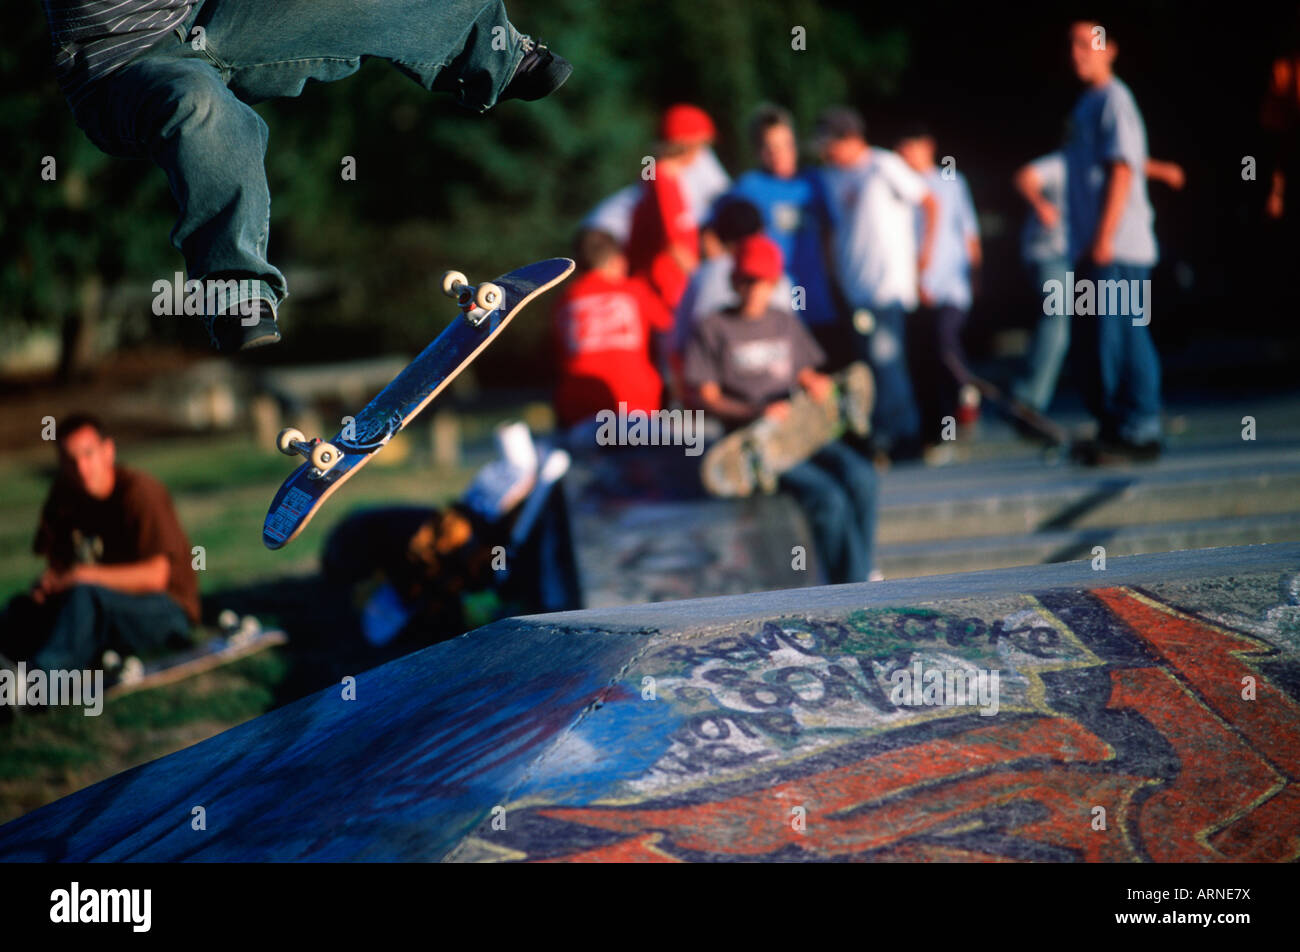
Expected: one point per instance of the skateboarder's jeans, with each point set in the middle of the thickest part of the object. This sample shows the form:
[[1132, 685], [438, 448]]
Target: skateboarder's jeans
[[86, 620], [895, 420], [188, 109], [1050, 344], [1118, 368], [836, 489]]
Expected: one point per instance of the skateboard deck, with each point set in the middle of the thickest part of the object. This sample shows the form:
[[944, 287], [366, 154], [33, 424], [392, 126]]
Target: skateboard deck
[[307, 488], [214, 653], [1029, 419], [755, 456]]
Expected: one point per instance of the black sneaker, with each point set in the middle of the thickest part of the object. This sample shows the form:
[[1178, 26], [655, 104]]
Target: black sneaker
[[235, 332], [1115, 452], [538, 74]]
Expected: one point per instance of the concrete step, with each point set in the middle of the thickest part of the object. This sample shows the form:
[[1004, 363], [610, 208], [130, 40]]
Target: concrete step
[[905, 560], [1003, 498]]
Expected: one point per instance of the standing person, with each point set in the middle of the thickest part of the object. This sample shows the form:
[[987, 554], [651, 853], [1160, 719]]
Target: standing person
[[119, 569], [945, 289], [743, 363], [174, 81], [877, 259], [1111, 239], [1044, 253], [663, 243], [797, 216]]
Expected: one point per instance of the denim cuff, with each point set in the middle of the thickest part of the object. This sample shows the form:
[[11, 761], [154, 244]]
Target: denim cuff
[[228, 297]]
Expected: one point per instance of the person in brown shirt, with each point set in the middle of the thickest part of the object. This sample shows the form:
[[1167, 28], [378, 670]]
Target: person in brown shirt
[[119, 572]]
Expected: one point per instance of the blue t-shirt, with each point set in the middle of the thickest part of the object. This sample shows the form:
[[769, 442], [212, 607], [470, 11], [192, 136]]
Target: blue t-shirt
[[1106, 126], [947, 279], [1038, 243], [795, 211]]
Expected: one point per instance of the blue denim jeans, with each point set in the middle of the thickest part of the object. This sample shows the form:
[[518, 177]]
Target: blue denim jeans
[[73, 629], [836, 489], [1118, 368], [1051, 341], [189, 109], [896, 419]]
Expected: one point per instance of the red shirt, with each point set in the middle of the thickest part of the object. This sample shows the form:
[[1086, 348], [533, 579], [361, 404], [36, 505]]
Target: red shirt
[[661, 219], [602, 335]]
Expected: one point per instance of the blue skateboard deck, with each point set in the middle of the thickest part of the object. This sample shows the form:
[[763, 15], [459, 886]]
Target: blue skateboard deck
[[306, 489]]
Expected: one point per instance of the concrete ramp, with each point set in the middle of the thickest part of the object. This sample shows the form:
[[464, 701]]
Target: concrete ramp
[[1147, 711]]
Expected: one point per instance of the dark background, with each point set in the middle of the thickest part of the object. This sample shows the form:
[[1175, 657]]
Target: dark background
[[437, 188]]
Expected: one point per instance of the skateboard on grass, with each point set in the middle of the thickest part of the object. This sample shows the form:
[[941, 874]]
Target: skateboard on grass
[[755, 456], [240, 638], [485, 311]]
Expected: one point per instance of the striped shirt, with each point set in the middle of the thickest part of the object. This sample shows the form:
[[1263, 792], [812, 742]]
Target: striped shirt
[[91, 38]]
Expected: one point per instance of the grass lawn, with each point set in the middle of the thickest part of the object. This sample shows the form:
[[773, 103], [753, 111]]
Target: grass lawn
[[221, 486]]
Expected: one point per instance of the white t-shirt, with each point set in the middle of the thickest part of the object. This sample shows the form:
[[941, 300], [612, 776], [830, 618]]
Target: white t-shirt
[[614, 213], [874, 203], [703, 181]]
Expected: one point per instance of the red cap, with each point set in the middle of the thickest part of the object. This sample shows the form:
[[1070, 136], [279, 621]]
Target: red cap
[[685, 123], [758, 256]]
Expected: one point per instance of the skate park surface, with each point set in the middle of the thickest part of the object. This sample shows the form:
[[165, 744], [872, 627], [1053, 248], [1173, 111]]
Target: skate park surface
[[1144, 711]]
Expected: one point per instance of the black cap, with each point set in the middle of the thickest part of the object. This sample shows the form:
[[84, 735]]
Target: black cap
[[838, 122]]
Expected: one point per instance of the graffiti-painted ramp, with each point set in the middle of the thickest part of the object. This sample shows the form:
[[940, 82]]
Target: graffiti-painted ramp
[[1147, 711]]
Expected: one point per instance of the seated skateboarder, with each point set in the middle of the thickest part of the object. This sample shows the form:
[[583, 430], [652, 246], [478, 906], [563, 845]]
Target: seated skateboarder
[[173, 80], [119, 571], [743, 363]]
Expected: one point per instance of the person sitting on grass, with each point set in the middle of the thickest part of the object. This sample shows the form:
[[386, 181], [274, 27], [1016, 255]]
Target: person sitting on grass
[[742, 363], [119, 572]]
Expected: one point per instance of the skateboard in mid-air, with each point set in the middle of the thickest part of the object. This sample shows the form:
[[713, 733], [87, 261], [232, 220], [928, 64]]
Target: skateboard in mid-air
[[485, 311], [754, 456]]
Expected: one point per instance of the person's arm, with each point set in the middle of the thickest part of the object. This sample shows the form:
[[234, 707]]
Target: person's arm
[[1275, 204], [713, 400], [929, 222], [817, 384], [1112, 209], [1170, 173], [970, 227], [1030, 186], [135, 578]]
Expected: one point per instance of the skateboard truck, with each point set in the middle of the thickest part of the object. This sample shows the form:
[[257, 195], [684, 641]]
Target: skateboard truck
[[322, 455], [475, 302]]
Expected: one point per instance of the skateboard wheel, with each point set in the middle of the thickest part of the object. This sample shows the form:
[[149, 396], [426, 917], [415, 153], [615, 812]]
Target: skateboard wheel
[[228, 620], [288, 436], [450, 280], [488, 297], [132, 670], [324, 456]]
